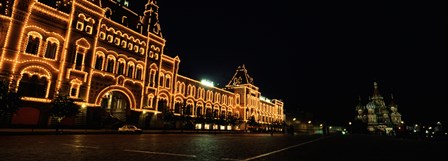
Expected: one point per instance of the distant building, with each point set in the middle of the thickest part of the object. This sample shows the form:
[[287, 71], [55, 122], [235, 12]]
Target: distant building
[[376, 115], [111, 59]]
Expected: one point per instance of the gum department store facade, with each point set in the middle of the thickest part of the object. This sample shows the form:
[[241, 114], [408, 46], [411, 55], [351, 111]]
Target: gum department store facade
[[106, 56]]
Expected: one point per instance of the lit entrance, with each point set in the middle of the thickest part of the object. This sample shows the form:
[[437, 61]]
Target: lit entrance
[[117, 104]]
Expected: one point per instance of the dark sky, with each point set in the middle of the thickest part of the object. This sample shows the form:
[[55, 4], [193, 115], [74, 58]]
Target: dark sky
[[318, 56]]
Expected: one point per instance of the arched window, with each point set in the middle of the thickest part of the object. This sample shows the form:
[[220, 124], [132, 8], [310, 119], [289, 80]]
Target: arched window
[[161, 80], [150, 100], [120, 67], [108, 13], [130, 70], [33, 45], [52, 48], [99, 62], [168, 78], [33, 86], [138, 73], [110, 65], [124, 21], [178, 107], [74, 88]]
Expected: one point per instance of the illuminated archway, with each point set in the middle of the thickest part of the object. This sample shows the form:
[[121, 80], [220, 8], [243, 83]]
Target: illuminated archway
[[117, 104], [125, 91]]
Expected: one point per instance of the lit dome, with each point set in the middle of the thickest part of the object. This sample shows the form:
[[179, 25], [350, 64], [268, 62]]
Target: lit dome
[[371, 105]]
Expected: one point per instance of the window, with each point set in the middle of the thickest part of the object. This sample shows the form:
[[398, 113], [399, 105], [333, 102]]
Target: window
[[117, 41], [89, 29], [51, 50], [110, 65], [152, 76], [124, 21], [161, 80], [167, 84], [150, 99], [139, 74], [80, 25], [130, 70], [33, 45], [136, 48], [130, 46], [120, 68], [99, 62], [110, 38], [79, 61], [74, 91], [123, 43], [142, 51], [102, 35]]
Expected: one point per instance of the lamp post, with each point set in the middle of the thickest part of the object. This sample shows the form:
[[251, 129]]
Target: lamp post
[[350, 127]]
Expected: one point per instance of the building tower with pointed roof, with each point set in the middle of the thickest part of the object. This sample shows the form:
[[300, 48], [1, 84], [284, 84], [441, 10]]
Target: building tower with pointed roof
[[252, 102], [380, 117]]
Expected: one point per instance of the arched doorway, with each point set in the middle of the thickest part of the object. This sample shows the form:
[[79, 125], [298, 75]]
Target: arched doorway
[[33, 86], [117, 104]]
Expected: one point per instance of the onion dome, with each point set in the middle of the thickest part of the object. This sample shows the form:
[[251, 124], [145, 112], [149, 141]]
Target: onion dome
[[371, 105]]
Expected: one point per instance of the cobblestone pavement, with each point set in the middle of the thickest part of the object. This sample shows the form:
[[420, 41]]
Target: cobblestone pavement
[[167, 147]]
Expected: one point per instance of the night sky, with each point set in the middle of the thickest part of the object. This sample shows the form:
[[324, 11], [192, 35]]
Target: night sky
[[318, 56]]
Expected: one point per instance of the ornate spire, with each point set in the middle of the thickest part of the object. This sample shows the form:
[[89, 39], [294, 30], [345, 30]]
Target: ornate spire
[[151, 18], [359, 106], [376, 91], [392, 101], [241, 77]]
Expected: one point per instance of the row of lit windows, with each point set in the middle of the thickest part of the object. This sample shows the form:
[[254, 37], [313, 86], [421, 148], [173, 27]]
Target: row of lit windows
[[198, 110], [191, 91], [34, 45], [122, 68], [119, 39]]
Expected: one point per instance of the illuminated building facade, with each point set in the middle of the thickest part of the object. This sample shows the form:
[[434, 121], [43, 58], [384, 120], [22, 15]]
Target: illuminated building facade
[[106, 56], [377, 115]]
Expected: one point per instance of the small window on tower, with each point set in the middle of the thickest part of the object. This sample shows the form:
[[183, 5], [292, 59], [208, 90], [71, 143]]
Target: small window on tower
[[102, 35], [80, 25], [110, 38], [89, 29], [126, 3]]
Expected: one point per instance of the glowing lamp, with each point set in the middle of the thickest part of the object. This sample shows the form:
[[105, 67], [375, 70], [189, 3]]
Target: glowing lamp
[[207, 83]]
